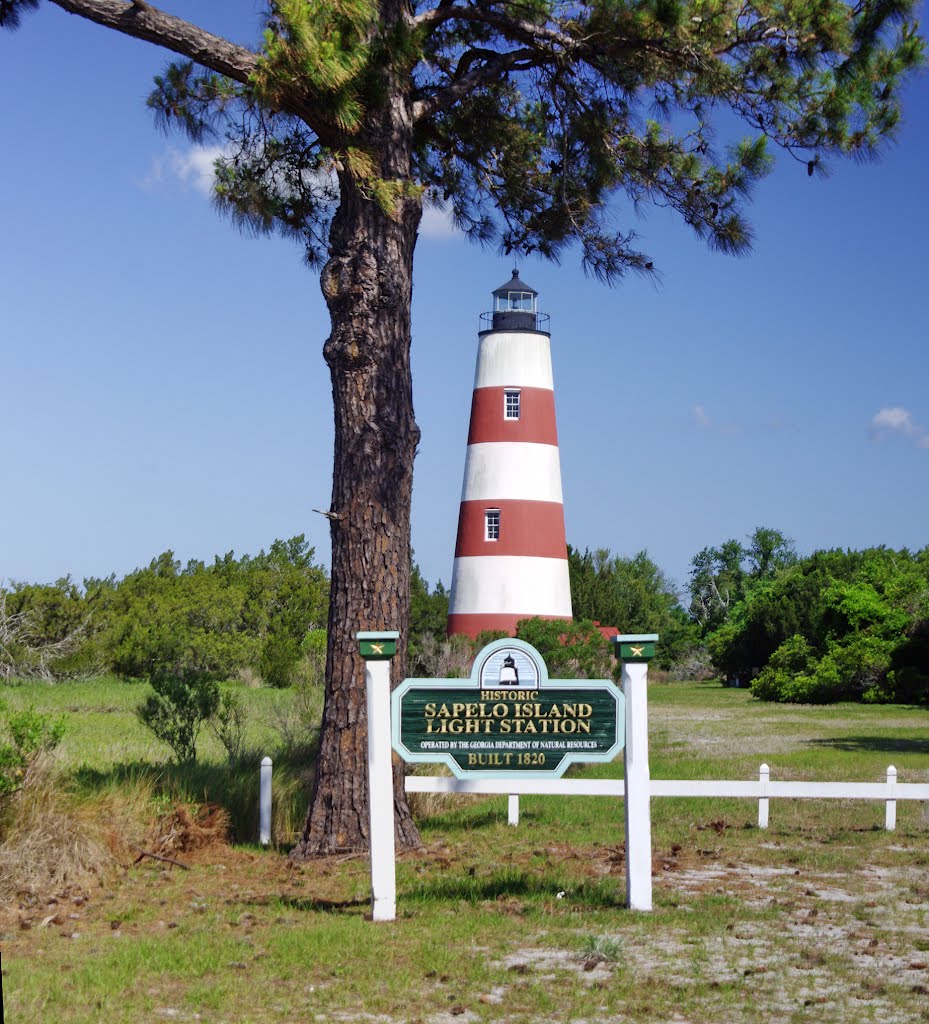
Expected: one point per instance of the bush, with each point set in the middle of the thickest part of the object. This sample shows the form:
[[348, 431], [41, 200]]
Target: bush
[[229, 724], [571, 650], [24, 735], [297, 721], [279, 659], [178, 709], [787, 676]]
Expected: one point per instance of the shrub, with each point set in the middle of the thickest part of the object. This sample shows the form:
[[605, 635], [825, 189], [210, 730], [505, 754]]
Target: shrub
[[279, 659], [787, 676], [24, 735], [438, 658], [571, 650], [298, 721], [177, 710], [229, 724]]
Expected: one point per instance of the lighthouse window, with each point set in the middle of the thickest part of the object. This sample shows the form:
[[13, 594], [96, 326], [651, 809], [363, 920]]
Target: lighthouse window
[[492, 524], [511, 404], [518, 301]]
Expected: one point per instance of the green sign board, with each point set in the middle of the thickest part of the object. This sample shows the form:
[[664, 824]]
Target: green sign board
[[509, 719]]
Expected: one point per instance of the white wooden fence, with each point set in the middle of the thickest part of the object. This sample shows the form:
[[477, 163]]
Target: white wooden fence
[[763, 790]]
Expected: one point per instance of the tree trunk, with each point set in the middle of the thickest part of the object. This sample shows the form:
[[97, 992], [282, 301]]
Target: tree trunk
[[367, 283]]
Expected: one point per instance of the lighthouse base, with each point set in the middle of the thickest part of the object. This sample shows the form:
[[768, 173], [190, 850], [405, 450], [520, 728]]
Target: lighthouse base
[[475, 624]]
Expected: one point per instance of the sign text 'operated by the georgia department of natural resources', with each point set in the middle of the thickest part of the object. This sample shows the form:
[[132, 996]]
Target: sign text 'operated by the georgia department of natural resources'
[[509, 719]]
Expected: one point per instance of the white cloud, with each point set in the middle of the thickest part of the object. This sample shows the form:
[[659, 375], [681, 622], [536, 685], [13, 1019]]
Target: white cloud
[[895, 420], [190, 168], [701, 418]]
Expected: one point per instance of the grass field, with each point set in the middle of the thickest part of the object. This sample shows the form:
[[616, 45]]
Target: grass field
[[822, 917]]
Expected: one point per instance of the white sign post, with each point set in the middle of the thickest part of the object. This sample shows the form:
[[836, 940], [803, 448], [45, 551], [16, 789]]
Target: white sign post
[[264, 801], [377, 649], [634, 651]]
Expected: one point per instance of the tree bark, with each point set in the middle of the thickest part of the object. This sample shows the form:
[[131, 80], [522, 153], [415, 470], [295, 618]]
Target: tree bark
[[367, 284]]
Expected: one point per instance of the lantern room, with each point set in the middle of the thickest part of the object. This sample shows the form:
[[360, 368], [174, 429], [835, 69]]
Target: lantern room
[[515, 306]]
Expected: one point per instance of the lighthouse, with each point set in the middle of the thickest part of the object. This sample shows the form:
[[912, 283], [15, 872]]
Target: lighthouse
[[511, 558]]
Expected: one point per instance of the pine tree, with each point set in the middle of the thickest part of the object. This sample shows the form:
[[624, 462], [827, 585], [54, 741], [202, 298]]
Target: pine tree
[[541, 125]]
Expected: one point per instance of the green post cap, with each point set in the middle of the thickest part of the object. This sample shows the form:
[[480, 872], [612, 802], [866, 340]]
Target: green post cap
[[378, 646], [635, 646]]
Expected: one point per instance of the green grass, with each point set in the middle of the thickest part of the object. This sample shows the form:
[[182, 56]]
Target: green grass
[[822, 917], [106, 746], [103, 732]]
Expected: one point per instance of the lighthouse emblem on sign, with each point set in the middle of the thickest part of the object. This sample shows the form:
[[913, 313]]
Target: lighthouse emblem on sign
[[508, 668]]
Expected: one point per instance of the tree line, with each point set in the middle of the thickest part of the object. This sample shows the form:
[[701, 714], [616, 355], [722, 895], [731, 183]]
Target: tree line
[[834, 625], [262, 613]]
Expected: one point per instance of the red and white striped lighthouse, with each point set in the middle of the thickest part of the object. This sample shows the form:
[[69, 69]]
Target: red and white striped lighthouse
[[511, 559]]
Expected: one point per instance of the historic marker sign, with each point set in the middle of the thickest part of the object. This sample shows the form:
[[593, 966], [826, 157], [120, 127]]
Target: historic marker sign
[[509, 719]]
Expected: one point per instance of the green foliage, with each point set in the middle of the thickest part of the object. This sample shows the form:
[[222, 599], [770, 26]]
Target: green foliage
[[229, 722], [182, 702], [570, 650], [247, 613], [721, 577], [536, 123], [633, 595], [24, 734], [325, 44], [861, 617], [428, 611], [787, 676], [47, 631]]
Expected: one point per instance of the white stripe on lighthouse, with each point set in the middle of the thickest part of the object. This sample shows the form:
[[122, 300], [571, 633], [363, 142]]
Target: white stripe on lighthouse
[[511, 584], [512, 358], [495, 470]]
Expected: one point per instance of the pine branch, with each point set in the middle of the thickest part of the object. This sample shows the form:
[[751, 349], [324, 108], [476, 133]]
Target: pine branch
[[155, 26], [142, 21], [495, 67]]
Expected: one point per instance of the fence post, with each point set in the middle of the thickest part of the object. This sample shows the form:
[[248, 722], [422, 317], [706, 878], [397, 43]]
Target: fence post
[[890, 813], [764, 777], [512, 809], [377, 649], [264, 802], [634, 651]]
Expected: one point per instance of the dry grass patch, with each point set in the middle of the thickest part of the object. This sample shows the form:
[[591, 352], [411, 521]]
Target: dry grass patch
[[53, 839]]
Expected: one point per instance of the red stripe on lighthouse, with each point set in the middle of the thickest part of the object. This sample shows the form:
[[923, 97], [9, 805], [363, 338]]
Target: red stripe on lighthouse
[[536, 416], [526, 528], [471, 625]]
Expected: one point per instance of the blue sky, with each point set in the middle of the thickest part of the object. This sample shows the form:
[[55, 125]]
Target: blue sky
[[162, 382]]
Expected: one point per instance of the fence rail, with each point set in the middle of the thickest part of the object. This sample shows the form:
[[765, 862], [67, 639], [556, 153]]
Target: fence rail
[[762, 790]]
